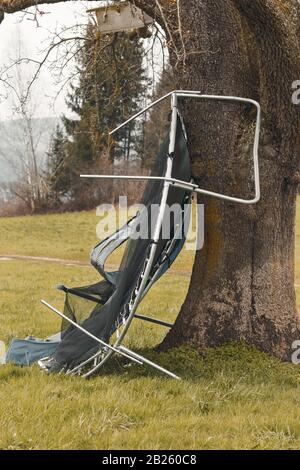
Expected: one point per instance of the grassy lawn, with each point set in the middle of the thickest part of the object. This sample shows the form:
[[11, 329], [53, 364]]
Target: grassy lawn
[[234, 397]]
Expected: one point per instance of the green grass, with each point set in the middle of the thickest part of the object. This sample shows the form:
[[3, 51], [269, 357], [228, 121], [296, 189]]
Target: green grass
[[66, 236], [233, 397]]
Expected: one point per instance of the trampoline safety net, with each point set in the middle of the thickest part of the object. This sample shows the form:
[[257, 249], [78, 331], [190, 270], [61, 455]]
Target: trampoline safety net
[[102, 307]]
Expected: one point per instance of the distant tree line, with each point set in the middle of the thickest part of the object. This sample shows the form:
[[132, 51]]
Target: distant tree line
[[112, 85]]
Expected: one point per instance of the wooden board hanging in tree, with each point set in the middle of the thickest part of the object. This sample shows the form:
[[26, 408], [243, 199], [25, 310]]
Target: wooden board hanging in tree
[[121, 17]]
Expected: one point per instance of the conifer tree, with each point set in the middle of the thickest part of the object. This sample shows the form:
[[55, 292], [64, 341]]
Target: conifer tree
[[111, 86], [57, 177]]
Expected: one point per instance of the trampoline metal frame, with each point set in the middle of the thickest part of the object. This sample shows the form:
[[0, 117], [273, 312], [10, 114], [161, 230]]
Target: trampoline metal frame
[[144, 285], [191, 186]]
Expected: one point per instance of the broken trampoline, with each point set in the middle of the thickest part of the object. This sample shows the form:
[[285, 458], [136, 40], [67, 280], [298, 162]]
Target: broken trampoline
[[97, 318]]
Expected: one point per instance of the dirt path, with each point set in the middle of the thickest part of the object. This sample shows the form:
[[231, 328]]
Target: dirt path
[[45, 259], [81, 264]]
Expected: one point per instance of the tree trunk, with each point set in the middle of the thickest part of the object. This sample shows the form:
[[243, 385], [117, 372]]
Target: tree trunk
[[242, 285]]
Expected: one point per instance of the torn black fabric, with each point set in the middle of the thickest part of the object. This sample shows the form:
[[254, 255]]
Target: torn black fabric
[[113, 295]]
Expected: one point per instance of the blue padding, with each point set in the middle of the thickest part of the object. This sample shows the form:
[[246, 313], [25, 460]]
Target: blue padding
[[25, 352]]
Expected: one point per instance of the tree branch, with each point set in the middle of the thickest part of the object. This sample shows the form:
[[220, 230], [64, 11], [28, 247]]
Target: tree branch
[[12, 6]]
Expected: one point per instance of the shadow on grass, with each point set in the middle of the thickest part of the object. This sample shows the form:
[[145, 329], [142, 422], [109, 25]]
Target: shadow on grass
[[233, 360]]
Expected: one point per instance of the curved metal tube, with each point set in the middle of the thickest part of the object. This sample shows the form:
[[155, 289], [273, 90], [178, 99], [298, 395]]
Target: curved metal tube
[[191, 187]]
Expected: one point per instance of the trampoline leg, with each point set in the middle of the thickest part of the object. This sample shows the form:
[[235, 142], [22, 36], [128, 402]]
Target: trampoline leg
[[146, 361], [154, 320], [117, 349], [102, 343]]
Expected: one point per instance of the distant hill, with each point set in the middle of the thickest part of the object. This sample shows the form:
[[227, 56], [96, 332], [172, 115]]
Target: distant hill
[[12, 143]]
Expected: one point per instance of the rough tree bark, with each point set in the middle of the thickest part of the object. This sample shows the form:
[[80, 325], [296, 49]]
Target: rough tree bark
[[242, 285]]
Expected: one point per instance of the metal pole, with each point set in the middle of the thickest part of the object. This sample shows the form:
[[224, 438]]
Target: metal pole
[[156, 233], [256, 139], [150, 363], [187, 186], [125, 177], [153, 320], [151, 105], [108, 346]]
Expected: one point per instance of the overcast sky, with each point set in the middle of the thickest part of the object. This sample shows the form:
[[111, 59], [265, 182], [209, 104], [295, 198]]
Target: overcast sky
[[34, 40], [22, 37]]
